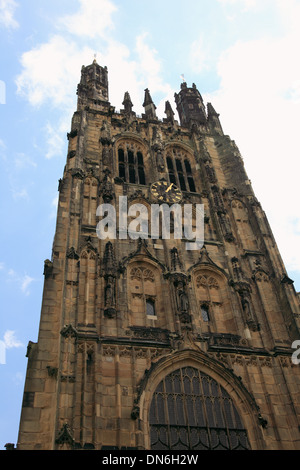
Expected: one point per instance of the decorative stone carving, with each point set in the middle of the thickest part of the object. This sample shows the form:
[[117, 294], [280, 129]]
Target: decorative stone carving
[[109, 274], [105, 137], [262, 422], [107, 155], [71, 253], [68, 331], [107, 187], [48, 268], [176, 264], [65, 436], [52, 371]]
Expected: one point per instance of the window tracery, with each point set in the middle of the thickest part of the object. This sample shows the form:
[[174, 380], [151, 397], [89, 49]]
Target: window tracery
[[242, 221], [131, 163], [143, 292], [180, 170], [210, 298], [87, 286], [90, 190], [192, 411]]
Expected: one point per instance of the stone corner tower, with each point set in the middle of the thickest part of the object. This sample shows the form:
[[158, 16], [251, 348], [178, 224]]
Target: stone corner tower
[[144, 343]]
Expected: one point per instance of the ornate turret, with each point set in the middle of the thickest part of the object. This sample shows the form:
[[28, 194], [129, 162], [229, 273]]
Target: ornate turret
[[127, 103], [93, 87], [213, 119], [169, 113], [149, 106], [190, 106]]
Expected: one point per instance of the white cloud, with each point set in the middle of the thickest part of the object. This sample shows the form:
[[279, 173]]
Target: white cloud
[[18, 379], [50, 72], [149, 73], [54, 205], [50, 75], [25, 283], [24, 161], [19, 193], [198, 55], [259, 104], [92, 20], [7, 12], [245, 4], [10, 340], [55, 142], [3, 155]]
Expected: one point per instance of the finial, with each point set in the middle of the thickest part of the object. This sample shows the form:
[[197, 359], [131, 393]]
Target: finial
[[95, 59], [182, 78]]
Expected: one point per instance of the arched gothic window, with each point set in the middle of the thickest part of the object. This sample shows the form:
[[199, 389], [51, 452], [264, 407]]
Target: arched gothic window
[[208, 290], [215, 312], [243, 225], [89, 207], [131, 163], [143, 293], [87, 287], [191, 411], [180, 171]]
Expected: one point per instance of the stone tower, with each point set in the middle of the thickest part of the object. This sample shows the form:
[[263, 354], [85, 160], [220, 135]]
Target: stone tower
[[143, 343]]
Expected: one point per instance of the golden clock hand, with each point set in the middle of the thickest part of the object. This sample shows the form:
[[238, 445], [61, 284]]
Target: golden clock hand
[[167, 190]]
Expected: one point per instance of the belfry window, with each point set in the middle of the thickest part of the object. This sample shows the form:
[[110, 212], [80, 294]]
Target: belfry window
[[191, 411], [172, 177], [189, 176], [131, 164], [180, 171]]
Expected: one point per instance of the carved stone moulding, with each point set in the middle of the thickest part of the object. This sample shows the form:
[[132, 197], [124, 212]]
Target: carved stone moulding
[[69, 331], [65, 436], [156, 334]]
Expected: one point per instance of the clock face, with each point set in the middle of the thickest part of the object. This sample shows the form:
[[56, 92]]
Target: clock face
[[165, 192]]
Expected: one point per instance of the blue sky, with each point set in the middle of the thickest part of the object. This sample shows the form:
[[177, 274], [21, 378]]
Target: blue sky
[[243, 56]]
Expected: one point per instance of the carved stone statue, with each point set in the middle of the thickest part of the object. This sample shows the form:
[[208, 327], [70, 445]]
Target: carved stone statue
[[184, 302], [106, 155], [109, 292]]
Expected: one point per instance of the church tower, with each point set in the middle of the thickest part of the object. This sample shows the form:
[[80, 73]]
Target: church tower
[[143, 342]]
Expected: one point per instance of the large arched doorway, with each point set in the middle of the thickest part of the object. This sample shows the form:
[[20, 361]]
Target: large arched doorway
[[192, 411]]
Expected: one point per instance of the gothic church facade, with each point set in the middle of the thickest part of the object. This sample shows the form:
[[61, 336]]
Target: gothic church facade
[[144, 344]]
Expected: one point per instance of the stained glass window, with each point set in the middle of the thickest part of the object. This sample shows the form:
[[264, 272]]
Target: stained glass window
[[191, 411]]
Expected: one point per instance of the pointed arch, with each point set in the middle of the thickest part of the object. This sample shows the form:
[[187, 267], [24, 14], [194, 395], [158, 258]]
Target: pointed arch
[[142, 252], [87, 285], [130, 156], [90, 198], [270, 304], [243, 224], [213, 299], [146, 294], [244, 408], [180, 166]]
